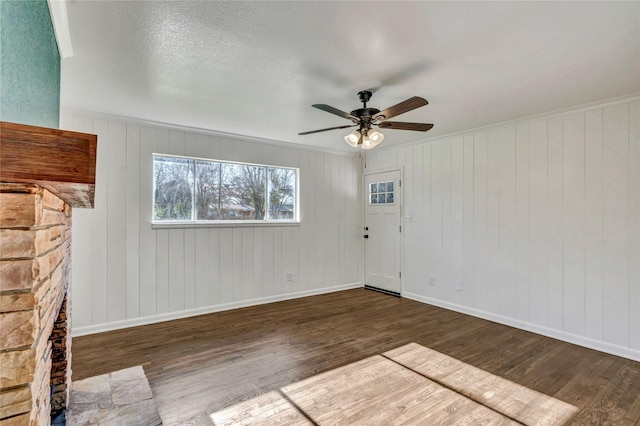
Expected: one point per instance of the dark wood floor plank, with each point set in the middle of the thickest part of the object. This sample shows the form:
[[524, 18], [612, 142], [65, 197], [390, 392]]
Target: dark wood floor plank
[[197, 366]]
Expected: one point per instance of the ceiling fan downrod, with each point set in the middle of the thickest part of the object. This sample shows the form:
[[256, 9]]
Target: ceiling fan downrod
[[364, 116]]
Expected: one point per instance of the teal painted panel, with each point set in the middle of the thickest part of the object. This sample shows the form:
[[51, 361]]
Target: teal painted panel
[[29, 64]]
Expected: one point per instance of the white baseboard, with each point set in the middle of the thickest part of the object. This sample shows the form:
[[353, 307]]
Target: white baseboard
[[587, 342], [133, 322]]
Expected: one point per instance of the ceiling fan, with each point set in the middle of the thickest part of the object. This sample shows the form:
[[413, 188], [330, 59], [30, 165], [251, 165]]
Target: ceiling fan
[[364, 118]]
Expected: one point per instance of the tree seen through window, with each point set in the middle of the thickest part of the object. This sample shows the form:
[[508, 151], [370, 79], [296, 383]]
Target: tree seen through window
[[222, 191]]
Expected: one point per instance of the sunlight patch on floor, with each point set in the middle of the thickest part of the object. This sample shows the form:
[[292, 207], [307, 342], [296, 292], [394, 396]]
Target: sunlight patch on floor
[[407, 385], [518, 402]]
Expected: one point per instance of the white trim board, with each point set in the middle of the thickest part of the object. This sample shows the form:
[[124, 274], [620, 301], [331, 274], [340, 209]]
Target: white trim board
[[200, 130], [542, 116], [134, 322], [60, 20], [609, 348]]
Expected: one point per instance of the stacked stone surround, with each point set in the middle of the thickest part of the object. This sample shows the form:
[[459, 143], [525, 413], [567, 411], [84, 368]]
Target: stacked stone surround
[[60, 360], [35, 272]]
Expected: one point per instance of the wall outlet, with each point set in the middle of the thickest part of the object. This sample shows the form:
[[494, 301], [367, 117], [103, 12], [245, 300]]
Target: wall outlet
[[432, 280], [289, 276], [458, 285]]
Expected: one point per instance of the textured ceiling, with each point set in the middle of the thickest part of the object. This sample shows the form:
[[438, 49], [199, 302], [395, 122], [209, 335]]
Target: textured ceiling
[[255, 68]]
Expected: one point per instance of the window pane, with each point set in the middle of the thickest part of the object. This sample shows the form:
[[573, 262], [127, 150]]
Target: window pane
[[381, 199], [282, 193], [374, 188], [247, 188], [189, 189], [210, 194], [374, 198], [381, 187], [173, 186], [390, 197], [390, 186]]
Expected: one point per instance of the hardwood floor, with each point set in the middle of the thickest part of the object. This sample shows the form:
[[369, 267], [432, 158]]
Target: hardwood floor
[[200, 365]]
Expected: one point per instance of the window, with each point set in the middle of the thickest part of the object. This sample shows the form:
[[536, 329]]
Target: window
[[381, 193], [190, 190]]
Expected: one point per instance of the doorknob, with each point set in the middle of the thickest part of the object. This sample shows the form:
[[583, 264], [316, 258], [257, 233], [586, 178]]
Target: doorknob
[[366, 236]]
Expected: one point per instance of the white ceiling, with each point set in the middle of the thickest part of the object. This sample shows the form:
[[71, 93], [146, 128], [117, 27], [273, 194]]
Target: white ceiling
[[255, 68]]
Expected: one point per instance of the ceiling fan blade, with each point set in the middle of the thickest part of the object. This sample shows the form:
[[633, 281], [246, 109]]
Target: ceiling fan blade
[[335, 111], [398, 125], [401, 108], [330, 128]]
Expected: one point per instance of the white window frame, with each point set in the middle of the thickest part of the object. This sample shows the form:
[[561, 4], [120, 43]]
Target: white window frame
[[195, 223]]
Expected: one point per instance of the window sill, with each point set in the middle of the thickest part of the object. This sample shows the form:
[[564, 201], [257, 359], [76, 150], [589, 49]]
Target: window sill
[[227, 224]]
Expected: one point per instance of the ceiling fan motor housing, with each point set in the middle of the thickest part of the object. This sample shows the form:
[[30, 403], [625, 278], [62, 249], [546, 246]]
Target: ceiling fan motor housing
[[364, 112]]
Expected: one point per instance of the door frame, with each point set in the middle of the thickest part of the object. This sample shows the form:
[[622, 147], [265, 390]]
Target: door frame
[[364, 201]]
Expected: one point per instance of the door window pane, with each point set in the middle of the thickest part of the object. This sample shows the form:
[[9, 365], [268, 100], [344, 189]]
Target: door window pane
[[381, 193], [390, 198]]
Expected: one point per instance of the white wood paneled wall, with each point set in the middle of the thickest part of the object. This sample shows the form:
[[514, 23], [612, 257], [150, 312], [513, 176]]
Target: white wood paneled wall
[[540, 220], [126, 273]]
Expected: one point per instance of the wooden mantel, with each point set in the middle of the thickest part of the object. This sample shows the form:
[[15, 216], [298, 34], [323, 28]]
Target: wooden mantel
[[60, 161]]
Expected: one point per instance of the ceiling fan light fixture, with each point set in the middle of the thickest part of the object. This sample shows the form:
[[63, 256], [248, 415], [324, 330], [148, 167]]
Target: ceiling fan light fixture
[[366, 143], [371, 139], [375, 137], [353, 138]]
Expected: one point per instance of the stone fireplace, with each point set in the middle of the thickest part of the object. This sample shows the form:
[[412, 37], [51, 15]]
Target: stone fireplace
[[60, 359], [43, 174]]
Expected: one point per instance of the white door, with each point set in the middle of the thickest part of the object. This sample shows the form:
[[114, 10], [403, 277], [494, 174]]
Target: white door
[[382, 231]]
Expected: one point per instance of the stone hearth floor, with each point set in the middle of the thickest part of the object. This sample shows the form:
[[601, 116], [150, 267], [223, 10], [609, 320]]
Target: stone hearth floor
[[120, 398]]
